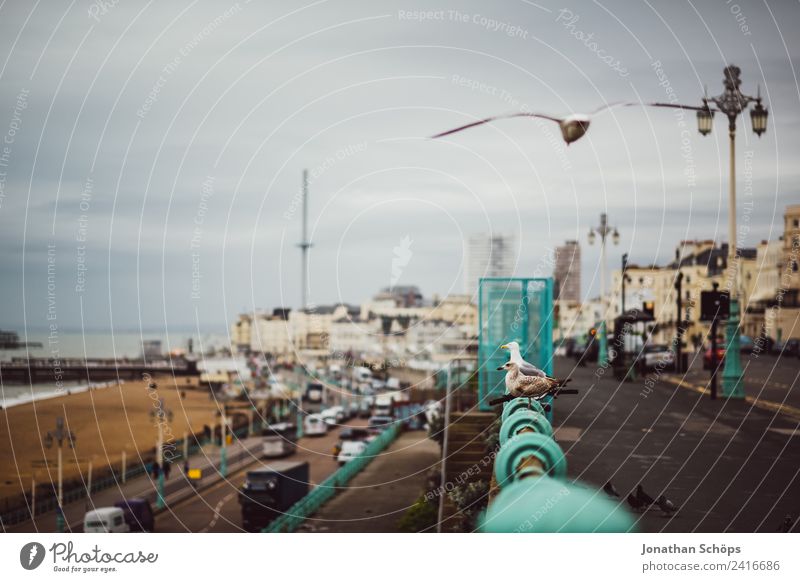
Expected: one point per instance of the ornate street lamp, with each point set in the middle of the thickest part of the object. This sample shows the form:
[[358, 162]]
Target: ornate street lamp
[[731, 102], [705, 120], [604, 230], [758, 118]]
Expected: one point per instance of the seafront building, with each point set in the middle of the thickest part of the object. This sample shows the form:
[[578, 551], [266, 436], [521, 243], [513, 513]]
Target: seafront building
[[393, 323], [400, 322], [567, 272], [488, 255]]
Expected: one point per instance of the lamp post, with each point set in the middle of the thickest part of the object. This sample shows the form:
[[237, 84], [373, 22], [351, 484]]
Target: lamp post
[[58, 436], [603, 230], [731, 103], [223, 451], [625, 279], [160, 414]]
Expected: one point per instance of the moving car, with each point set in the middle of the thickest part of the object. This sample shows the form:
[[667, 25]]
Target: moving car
[[350, 450], [383, 405], [353, 433], [315, 425], [657, 357], [280, 440], [105, 520], [138, 514], [379, 423]]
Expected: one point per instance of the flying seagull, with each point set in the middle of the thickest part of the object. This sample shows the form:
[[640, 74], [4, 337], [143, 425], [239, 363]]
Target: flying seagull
[[526, 368], [573, 127], [531, 387]]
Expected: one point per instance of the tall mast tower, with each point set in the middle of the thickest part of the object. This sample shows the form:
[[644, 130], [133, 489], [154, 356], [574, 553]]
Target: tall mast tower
[[305, 244]]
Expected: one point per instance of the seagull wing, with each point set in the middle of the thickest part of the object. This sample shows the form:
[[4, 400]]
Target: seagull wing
[[608, 106], [490, 119], [674, 106], [529, 369]]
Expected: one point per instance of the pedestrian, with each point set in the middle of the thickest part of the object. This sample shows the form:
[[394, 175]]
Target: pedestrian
[[186, 468], [155, 469], [167, 469]]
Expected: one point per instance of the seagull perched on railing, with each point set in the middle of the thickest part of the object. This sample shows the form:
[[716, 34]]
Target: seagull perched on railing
[[573, 127], [526, 368], [530, 387]]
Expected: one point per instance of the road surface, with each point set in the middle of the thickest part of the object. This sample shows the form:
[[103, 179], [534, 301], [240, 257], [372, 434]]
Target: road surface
[[217, 509]]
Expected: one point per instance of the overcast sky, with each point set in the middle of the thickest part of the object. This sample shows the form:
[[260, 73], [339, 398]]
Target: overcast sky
[[172, 138]]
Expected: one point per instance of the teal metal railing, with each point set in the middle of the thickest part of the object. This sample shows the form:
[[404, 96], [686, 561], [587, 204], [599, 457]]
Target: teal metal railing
[[530, 469], [308, 505]]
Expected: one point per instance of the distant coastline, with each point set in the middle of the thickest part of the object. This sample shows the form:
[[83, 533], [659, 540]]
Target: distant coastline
[[18, 394]]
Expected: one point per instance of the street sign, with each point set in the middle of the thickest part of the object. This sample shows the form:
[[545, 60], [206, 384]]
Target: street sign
[[714, 305]]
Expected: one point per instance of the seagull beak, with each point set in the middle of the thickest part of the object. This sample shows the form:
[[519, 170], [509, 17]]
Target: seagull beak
[[504, 347], [501, 368]]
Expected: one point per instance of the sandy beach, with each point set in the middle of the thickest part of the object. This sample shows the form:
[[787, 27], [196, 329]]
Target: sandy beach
[[105, 421]]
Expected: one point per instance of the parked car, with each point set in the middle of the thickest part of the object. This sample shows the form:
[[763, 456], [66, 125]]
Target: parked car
[[105, 520], [350, 450], [707, 364], [791, 347], [138, 514], [656, 357], [746, 344], [315, 425]]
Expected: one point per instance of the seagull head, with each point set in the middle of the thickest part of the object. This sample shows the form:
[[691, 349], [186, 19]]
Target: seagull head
[[508, 366], [510, 346]]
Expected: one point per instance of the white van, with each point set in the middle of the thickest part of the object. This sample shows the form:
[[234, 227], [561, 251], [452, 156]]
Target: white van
[[350, 450], [105, 520], [315, 425]]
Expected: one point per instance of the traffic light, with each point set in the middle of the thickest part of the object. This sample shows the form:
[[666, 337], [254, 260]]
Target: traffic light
[[593, 332], [649, 308]]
